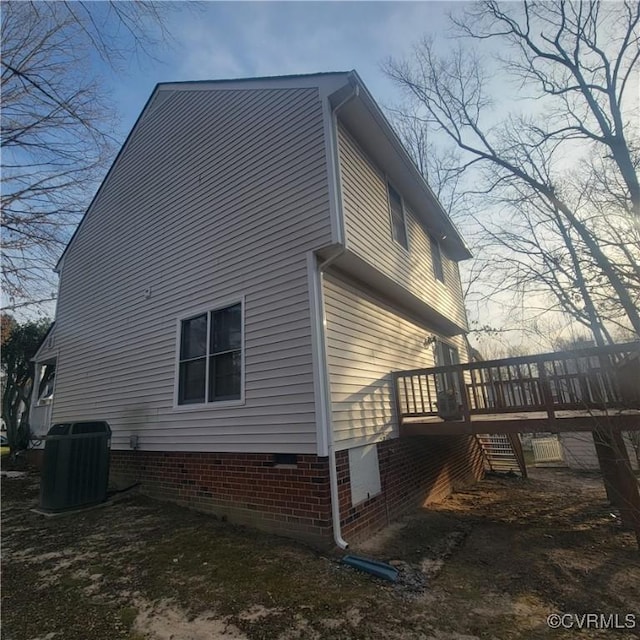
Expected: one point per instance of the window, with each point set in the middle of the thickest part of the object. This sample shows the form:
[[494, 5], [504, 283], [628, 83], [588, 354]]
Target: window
[[398, 226], [45, 387], [446, 355], [436, 258], [210, 367]]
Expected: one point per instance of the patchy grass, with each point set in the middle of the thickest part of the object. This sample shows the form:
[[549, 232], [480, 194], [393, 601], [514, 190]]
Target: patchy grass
[[496, 560]]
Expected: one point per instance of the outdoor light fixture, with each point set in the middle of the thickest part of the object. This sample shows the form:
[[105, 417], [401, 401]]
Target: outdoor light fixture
[[429, 340]]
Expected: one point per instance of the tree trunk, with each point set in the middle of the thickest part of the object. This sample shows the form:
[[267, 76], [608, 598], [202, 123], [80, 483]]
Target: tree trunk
[[618, 474]]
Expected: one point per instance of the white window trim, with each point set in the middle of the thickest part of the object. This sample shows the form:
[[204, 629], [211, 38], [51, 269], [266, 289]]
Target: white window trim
[[404, 217], [35, 398], [208, 406]]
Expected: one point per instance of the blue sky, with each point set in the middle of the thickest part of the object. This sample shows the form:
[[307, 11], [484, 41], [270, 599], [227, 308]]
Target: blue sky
[[240, 39], [244, 39], [214, 40]]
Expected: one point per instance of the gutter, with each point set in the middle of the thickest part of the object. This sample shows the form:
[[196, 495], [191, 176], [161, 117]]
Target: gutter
[[343, 95], [328, 424], [321, 319]]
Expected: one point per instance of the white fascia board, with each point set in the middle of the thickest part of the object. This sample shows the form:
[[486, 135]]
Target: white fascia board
[[328, 82]]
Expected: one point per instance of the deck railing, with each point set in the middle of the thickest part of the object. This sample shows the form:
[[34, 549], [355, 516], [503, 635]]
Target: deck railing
[[593, 378]]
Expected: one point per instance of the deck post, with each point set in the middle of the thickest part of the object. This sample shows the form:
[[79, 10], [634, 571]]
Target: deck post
[[396, 395], [545, 388], [516, 445], [466, 409]]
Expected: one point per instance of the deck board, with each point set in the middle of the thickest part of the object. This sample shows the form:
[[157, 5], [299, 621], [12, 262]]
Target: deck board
[[524, 422]]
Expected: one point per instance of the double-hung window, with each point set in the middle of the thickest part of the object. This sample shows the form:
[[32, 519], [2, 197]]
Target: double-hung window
[[398, 222], [210, 368]]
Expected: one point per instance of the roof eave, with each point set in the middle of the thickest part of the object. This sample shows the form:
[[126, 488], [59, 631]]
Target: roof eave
[[461, 251]]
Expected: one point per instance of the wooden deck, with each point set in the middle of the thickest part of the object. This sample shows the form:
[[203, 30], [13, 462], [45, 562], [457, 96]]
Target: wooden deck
[[523, 422], [579, 390]]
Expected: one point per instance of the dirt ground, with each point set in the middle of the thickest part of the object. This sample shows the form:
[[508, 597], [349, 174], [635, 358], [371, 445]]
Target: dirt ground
[[491, 562]]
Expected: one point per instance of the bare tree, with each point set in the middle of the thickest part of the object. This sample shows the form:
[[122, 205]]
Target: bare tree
[[58, 125], [439, 163], [566, 172]]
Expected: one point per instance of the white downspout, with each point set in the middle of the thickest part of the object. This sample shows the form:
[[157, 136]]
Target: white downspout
[[331, 447]]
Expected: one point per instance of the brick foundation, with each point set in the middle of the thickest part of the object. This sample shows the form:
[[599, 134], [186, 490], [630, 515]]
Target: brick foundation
[[414, 472], [295, 501], [246, 488]]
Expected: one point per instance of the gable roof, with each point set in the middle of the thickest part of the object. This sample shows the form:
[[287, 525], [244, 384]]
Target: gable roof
[[331, 80], [362, 115], [43, 342]]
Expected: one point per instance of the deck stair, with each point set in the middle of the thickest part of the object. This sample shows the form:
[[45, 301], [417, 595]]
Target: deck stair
[[501, 453]]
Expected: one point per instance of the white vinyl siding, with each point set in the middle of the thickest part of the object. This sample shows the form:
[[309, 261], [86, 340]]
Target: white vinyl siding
[[579, 451], [218, 194], [369, 235], [366, 341]]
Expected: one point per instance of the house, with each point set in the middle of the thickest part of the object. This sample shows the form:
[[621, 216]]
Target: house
[[258, 260], [579, 452]]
